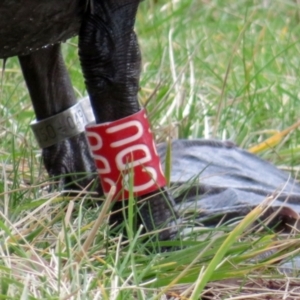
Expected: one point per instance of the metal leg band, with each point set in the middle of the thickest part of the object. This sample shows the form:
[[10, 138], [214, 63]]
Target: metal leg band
[[64, 125]]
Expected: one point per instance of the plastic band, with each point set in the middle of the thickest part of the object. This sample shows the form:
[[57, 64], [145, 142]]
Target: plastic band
[[64, 125], [126, 147]]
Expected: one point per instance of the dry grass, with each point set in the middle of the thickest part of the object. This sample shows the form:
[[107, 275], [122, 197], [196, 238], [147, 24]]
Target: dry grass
[[228, 69]]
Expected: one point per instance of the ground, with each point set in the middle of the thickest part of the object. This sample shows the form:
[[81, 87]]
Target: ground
[[222, 69]]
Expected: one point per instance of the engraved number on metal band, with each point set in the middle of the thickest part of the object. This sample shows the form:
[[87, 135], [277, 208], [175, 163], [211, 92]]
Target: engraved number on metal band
[[64, 125]]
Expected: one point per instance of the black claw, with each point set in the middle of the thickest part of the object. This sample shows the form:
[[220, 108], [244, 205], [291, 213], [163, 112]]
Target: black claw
[[154, 211], [157, 212]]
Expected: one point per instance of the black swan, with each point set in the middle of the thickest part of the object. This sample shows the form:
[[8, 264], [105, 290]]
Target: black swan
[[110, 59]]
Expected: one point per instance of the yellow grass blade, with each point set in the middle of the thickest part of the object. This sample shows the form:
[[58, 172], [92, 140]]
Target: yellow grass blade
[[273, 140]]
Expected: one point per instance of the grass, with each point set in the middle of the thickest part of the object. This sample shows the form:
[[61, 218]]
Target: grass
[[221, 69]]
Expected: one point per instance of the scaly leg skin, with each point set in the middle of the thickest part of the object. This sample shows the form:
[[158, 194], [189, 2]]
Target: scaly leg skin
[[51, 92], [110, 60]]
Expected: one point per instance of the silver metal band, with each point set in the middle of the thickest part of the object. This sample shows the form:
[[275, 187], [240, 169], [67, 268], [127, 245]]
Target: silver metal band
[[64, 125]]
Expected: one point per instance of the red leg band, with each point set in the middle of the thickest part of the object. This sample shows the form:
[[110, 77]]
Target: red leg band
[[122, 147]]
